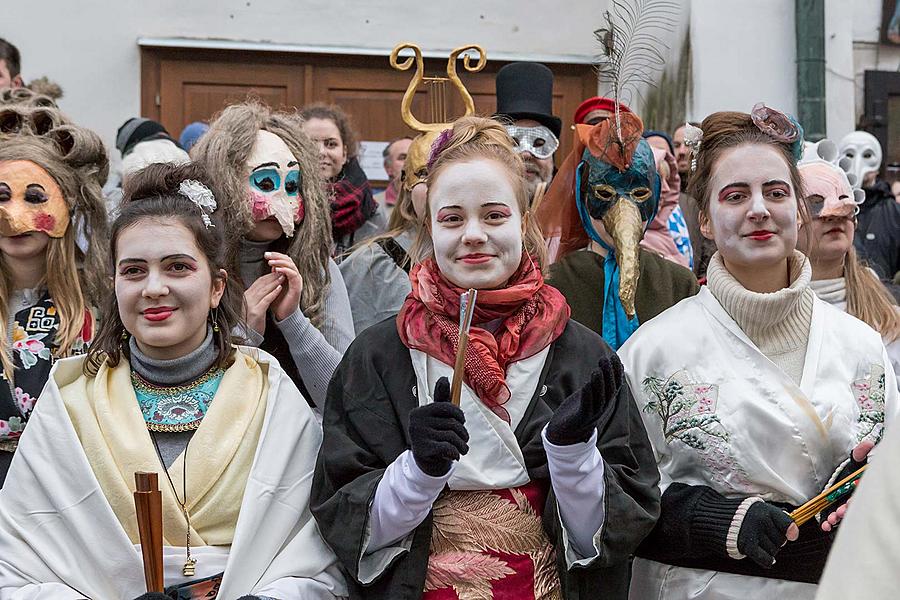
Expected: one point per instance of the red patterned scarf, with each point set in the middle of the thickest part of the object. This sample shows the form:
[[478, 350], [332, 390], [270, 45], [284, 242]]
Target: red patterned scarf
[[533, 316]]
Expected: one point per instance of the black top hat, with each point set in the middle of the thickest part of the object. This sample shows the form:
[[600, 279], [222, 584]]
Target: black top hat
[[525, 91]]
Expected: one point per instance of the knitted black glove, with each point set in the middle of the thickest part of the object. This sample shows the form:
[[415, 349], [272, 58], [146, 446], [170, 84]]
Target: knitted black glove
[[851, 467], [763, 533], [437, 432], [575, 419], [153, 596]]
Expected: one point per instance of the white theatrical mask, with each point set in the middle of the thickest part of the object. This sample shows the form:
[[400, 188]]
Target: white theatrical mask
[[864, 152], [274, 182]]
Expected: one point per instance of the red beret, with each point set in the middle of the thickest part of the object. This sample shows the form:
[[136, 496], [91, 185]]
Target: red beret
[[596, 103]]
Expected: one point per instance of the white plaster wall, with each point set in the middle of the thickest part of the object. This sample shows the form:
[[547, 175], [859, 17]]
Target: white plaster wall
[[840, 84], [90, 46], [744, 52]]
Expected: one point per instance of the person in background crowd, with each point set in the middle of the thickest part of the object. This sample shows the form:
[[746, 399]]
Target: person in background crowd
[[355, 216], [878, 222], [192, 134], [838, 276], [525, 106], [377, 272], [595, 215], [596, 109], [668, 233], [53, 240], [703, 249], [10, 66], [280, 241], [755, 394], [394, 155], [144, 142], [539, 484], [163, 390]]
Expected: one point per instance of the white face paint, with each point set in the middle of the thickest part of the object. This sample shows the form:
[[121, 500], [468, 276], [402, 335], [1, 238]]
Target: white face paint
[[476, 224], [274, 183], [864, 153], [752, 208]]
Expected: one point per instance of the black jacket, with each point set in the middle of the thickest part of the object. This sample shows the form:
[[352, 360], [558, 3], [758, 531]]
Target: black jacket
[[878, 231], [365, 430]]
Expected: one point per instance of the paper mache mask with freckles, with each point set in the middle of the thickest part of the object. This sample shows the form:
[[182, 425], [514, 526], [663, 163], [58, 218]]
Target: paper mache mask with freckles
[[30, 200], [832, 189], [274, 182]]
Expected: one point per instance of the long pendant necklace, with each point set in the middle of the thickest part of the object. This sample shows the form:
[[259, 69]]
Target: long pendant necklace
[[190, 563]]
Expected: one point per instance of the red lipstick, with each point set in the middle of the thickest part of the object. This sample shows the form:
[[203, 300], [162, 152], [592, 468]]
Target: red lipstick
[[760, 235], [475, 259], [158, 313]]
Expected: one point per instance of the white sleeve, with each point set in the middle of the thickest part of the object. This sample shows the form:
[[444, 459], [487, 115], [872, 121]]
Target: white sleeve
[[576, 473], [402, 500]]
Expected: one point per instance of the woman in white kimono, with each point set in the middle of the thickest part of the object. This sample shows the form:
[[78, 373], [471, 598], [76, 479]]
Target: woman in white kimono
[[163, 390], [769, 393]]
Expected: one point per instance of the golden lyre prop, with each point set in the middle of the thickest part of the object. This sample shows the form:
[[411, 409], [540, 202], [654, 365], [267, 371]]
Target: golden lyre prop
[[438, 97], [148, 506], [466, 311], [827, 498]]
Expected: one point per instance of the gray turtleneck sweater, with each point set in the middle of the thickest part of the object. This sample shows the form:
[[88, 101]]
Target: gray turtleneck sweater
[[316, 353], [176, 371], [778, 323]]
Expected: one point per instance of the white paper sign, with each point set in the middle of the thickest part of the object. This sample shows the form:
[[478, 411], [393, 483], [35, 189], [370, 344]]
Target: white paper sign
[[372, 161]]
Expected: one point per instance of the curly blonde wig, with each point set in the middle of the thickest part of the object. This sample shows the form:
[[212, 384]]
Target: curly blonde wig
[[76, 278]]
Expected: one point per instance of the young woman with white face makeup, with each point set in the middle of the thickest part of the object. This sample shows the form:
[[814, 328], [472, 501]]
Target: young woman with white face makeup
[[772, 396], [163, 390], [545, 437], [280, 241]]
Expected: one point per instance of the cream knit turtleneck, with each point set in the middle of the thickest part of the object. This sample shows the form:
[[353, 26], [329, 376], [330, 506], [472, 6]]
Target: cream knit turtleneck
[[777, 322]]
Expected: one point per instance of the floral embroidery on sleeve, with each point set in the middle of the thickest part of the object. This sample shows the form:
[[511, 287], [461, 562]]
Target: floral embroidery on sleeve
[[687, 411], [869, 394]]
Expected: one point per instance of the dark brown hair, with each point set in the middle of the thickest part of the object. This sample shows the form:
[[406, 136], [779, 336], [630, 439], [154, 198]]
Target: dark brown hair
[[152, 194], [335, 114], [723, 131], [10, 54]]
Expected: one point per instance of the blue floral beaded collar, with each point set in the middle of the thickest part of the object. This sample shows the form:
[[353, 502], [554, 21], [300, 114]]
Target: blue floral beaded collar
[[176, 408]]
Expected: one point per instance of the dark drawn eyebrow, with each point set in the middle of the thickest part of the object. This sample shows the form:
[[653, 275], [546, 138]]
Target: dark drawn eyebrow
[[268, 164], [164, 258], [775, 182], [35, 185], [293, 163]]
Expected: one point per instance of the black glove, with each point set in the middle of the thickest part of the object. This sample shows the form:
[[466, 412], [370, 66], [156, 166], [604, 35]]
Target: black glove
[[437, 432], [153, 596], [249, 598], [851, 467], [576, 418], [763, 533]]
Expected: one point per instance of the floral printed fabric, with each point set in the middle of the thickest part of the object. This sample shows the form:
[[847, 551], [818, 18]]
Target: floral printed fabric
[[687, 411], [32, 336]]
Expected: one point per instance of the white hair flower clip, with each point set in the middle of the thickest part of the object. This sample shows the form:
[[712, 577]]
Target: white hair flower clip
[[693, 138], [200, 195]]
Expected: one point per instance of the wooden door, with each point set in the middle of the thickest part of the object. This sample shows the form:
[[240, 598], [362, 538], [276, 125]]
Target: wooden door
[[179, 86]]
